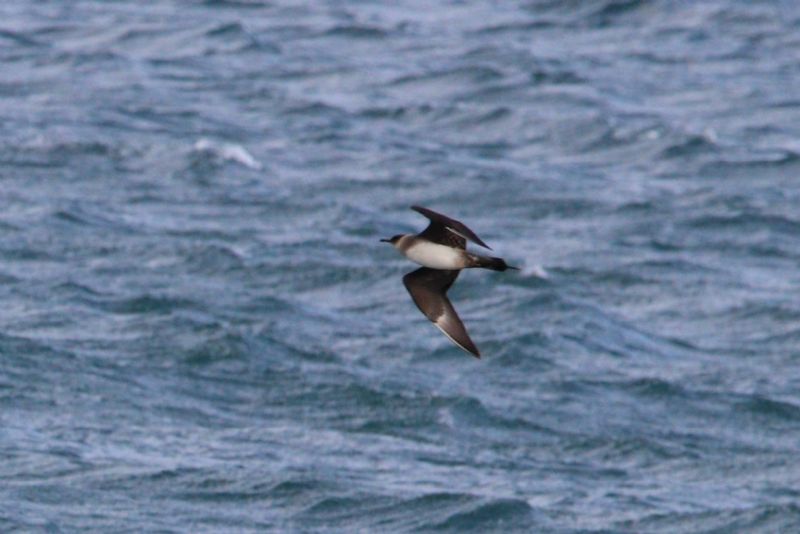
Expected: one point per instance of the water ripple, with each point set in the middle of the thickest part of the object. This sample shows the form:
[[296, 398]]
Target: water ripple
[[198, 319]]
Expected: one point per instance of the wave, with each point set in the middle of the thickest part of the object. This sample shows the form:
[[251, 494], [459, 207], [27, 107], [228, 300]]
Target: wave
[[145, 304], [355, 31], [505, 514], [21, 39], [761, 518], [438, 511], [226, 152], [746, 221], [761, 406], [690, 146]]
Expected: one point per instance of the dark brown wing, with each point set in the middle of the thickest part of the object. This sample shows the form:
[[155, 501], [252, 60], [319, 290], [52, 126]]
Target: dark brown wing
[[447, 231], [428, 288]]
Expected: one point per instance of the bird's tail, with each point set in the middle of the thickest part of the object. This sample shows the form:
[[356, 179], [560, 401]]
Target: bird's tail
[[487, 262]]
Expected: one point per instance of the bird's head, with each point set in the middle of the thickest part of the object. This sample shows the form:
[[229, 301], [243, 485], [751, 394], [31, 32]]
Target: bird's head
[[393, 240]]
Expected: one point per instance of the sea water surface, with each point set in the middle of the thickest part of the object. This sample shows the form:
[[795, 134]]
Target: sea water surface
[[200, 331]]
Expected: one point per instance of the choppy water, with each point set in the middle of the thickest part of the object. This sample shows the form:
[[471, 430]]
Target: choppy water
[[200, 331]]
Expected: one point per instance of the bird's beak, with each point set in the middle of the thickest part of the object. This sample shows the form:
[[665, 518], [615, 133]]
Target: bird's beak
[[386, 240]]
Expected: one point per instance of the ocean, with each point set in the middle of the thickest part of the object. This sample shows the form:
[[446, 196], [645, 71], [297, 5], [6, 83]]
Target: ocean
[[201, 332]]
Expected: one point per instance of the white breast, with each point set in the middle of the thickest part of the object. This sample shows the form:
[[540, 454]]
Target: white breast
[[435, 256]]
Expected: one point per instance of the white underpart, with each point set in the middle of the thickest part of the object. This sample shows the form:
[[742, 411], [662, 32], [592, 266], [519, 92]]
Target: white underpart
[[435, 256]]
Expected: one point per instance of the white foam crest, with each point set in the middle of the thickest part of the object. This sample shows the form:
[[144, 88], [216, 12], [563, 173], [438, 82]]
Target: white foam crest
[[228, 151], [535, 270]]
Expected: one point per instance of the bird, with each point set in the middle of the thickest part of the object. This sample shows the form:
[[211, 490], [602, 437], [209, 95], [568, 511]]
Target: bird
[[441, 250]]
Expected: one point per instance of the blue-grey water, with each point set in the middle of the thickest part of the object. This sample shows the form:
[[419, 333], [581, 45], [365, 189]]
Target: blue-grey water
[[200, 331]]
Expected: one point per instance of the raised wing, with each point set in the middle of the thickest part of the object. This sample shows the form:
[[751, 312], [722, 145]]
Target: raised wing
[[428, 288], [447, 231]]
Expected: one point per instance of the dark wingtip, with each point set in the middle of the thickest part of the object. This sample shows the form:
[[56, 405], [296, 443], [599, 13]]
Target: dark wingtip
[[480, 242], [470, 347], [473, 349]]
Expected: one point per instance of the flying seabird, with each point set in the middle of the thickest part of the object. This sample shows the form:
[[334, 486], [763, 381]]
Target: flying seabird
[[441, 249]]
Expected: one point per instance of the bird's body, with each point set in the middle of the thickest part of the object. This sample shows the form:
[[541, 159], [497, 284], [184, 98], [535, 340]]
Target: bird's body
[[441, 250], [433, 255]]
